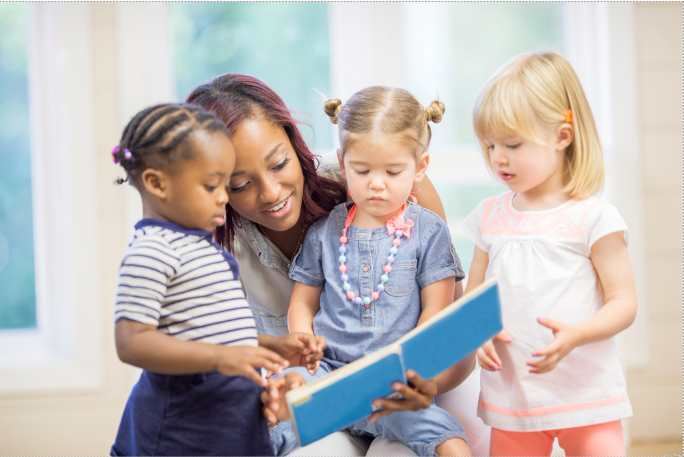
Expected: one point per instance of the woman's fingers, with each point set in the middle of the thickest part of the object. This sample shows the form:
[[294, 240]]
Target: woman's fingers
[[426, 386]]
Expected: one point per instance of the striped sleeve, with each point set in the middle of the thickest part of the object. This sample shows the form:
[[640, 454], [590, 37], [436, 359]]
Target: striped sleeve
[[148, 266]]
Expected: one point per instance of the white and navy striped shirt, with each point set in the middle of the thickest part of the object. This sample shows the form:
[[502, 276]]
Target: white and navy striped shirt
[[185, 284]]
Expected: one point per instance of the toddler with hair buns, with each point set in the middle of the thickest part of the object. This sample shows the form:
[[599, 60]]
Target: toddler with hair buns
[[378, 266]]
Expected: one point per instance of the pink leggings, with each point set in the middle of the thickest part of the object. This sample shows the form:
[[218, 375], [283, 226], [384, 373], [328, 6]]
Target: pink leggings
[[592, 440]]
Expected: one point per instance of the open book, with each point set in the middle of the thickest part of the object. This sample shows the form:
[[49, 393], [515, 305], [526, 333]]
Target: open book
[[345, 396]]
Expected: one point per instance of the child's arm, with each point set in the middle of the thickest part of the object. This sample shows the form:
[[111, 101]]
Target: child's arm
[[611, 261], [304, 304], [487, 357], [141, 345], [435, 297]]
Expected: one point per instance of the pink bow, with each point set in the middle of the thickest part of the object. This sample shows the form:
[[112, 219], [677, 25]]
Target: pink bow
[[397, 223]]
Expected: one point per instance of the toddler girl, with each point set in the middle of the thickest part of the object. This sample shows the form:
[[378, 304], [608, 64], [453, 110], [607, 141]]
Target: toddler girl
[[372, 270], [560, 257], [180, 311]]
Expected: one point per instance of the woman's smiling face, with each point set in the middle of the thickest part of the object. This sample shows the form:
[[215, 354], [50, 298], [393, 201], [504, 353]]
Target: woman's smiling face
[[267, 182]]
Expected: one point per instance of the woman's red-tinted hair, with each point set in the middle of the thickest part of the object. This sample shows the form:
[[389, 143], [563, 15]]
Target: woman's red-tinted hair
[[235, 98]]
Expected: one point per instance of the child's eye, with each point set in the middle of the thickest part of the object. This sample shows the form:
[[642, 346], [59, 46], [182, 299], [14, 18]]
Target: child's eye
[[393, 173], [512, 146], [361, 172], [210, 188], [490, 147], [282, 164]]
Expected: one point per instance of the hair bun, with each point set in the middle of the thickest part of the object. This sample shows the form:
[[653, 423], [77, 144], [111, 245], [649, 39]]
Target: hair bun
[[332, 107], [435, 111]]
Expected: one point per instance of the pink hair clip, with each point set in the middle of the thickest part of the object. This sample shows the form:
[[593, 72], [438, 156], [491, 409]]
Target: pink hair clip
[[127, 154], [115, 150]]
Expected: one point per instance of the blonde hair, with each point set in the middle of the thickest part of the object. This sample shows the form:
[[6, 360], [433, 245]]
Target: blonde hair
[[377, 110], [535, 90]]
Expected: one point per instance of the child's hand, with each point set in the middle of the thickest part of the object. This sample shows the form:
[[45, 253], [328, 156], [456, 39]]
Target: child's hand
[[565, 341], [241, 361], [486, 354], [273, 396], [301, 349]]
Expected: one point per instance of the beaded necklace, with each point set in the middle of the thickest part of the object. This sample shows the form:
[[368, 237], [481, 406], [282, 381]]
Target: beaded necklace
[[396, 227]]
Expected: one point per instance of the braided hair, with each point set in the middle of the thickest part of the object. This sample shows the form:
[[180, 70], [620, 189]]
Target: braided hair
[[157, 137]]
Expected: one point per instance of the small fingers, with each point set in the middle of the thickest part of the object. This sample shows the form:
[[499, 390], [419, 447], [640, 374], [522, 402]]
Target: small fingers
[[321, 343], [250, 373], [488, 358], [269, 415], [543, 365], [504, 336], [312, 368]]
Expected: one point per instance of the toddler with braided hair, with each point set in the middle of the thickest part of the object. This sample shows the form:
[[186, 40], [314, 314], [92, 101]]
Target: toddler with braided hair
[[180, 313]]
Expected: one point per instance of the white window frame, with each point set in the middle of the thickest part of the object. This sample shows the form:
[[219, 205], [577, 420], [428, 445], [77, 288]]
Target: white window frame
[[64, 351]]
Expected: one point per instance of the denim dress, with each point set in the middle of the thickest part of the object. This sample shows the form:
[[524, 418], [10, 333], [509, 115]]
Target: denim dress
[[355, 330]]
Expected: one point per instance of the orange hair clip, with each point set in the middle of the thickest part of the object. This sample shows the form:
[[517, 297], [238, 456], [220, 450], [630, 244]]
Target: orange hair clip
[[568, 116]]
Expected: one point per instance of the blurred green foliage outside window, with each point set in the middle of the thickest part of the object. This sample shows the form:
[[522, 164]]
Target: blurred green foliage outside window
[[283, 44], [17, 273]]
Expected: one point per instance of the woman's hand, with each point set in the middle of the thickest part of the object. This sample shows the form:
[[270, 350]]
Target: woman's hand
[[273, 396], [300, 349], [566, 339], [487, 357], [417, 395]]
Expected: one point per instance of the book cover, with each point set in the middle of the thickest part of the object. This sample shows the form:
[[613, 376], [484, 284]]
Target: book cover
[[345, 396]]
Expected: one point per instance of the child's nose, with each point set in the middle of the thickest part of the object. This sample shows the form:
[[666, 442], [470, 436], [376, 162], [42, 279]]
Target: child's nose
[[223, 197], [377, 183], [497, 156]]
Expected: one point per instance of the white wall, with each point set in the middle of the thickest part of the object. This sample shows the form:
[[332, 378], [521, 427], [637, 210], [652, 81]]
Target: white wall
[[656, 389]]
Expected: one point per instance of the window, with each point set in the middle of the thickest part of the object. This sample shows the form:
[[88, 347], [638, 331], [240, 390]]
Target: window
[[17, 271], [283, 44]]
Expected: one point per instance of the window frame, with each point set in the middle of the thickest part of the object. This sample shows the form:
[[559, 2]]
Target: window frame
[[63, 351]]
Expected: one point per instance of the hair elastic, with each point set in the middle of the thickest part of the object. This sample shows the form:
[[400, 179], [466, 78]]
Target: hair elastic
[[568, 116], [115, 150]]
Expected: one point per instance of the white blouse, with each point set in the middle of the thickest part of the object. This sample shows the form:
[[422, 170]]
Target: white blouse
[[542, 262]]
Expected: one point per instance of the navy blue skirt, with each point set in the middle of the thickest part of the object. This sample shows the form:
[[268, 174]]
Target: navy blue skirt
[[200, 414]]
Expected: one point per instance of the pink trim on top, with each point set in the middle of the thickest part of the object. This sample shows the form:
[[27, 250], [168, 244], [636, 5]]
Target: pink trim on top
[[557, 222], [554, 409]]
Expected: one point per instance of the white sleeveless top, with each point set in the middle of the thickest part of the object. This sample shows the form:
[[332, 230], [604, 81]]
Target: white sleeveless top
[[542, 262]]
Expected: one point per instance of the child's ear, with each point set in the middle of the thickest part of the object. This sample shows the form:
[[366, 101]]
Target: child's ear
[[154, 182], [340, 158], [421, 166], [564, 136]]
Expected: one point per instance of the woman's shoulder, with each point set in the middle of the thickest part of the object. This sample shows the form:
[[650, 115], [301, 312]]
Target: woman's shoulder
[[329, 167]]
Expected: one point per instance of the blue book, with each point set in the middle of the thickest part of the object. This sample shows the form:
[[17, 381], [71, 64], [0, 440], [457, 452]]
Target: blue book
[[345, 396]]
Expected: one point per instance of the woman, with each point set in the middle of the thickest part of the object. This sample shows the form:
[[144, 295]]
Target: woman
[[278, 189]]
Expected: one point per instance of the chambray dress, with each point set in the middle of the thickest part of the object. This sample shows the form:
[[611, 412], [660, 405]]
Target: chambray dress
[[353, 331]]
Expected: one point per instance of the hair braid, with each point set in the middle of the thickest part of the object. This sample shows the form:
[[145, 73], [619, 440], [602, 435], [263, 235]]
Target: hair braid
[[155, 136]]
